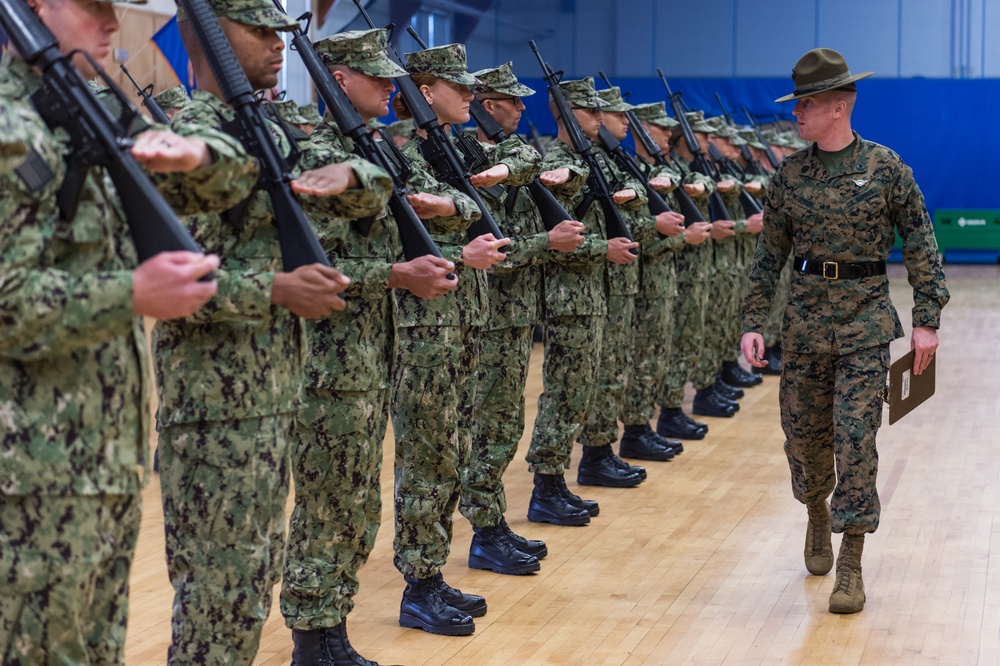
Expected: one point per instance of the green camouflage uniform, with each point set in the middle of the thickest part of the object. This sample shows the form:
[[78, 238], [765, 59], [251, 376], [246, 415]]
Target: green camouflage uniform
[[172, 98], [337, 449], [433, 380], [693, 269], [615, 364], [655, 300], [837, 332], [576, 305], [230, 382], [514, 290], [74, 394]]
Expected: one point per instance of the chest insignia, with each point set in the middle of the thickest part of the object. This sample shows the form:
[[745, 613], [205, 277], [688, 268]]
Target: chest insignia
[[860, 182]]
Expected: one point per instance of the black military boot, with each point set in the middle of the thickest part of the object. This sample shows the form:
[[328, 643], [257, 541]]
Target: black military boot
[[675, 423], [621, 464], [590, 506], [424, 608], [734, 375], [473, 604], [640, 442], [727, 391], [674, 445], [491, 549], [534, 547], [709, 403], [598, 469], [548, 505], [325, 647]]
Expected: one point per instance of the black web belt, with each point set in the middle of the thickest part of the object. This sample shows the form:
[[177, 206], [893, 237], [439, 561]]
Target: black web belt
[[839, 270]]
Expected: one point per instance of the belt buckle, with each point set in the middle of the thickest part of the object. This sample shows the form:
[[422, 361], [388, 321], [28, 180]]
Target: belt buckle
[[836, 270]]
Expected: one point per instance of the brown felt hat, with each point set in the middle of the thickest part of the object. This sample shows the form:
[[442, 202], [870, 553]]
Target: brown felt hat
[[820, 70]]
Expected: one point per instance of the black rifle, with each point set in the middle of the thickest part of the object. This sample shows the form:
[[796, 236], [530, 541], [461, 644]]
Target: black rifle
[[716, 206], [299, 245], [729, 168], [597, 184], [147, 99], [688, 209], [438, 149], [413, 235], [66, 100], [551, 211], [535, 139], [771, 157], [744, 149]]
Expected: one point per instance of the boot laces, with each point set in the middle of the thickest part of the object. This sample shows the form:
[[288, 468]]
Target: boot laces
[[818, 523]]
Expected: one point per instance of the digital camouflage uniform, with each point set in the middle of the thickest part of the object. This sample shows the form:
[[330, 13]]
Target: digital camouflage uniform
[[337, 449], [654, 302], [73, 392], [837, 332], [576, 304], [433, 380], [623, 285], [514, 295], [172, 98], [693, 269]]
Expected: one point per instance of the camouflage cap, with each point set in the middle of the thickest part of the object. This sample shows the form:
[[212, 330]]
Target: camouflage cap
[[502, 80], [288, 110], [698, 123], [655, 113], [260, 13], [375, 124], [613, 96], [580, 93], [750, 137], [400, 128], [172, 98], [363, 50], [445, 62], [311, 113]]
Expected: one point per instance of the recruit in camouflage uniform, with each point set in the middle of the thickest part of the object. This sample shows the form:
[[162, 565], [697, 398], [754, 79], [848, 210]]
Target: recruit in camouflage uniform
[[172, 100], [69, 489], [230, 383], [692, 263], [514, 295], [576, 304], [14, 139], [654, 301], [434, 391], [839, 213], [598, 464], [337, 452]]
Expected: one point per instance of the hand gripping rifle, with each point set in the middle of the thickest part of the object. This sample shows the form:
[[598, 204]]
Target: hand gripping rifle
[[688, 209], [413, 235], [771, 157], [438, 149], [597, 183], [716, 207], [299, 245], [66, 100], [147, 99]]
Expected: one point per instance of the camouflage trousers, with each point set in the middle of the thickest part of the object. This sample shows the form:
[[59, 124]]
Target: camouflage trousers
[[224, 486], [572, 357], [499, 422], [772, 330], [722, 319], [336, 464], [434, 392], [613, 373], [64, 568], [651, 350], [686, 341], [831, 410]]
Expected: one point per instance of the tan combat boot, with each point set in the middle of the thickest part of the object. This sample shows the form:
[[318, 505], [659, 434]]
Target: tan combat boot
[[849, 593], [819, 548]]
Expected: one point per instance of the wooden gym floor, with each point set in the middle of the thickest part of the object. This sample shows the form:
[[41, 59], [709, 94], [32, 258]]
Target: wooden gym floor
[[702, 564]]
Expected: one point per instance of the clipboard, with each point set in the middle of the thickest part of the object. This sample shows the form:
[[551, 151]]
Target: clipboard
[[906, 390]]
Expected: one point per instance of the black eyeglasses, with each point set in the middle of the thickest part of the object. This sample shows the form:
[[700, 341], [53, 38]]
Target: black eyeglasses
[[512, 100]]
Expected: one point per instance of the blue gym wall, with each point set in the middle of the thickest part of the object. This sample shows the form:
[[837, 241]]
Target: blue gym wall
[[932, 99]]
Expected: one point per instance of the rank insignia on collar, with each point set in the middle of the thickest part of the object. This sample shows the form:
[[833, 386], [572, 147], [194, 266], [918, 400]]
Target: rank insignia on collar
[[859, 182]]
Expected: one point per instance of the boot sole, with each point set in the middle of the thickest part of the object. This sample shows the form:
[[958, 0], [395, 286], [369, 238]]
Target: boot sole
[[573, 521], [411, 622], [487, 565], [607, 483], [846, 610], [654, 457], [669, 434]]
